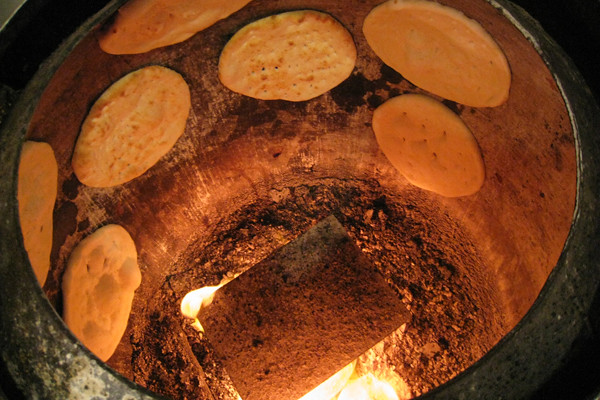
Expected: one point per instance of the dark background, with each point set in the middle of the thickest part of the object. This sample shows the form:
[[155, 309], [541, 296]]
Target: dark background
[[40, 26]]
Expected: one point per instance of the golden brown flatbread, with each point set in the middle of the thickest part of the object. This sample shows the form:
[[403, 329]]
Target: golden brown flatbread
[[131, 126], [429, 144], [144, 25], [98, 287], [295, 56], [36, 193], [439, 49]]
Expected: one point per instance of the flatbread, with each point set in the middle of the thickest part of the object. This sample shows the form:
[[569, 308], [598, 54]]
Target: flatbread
[[295, 56], [439, 49], [144, 25], [429, 144], [36, 194], [98, 287], [131, 126]]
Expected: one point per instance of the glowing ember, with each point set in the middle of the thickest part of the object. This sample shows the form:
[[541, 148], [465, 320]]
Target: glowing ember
[[195, 300], [368, 387], [332, 386]]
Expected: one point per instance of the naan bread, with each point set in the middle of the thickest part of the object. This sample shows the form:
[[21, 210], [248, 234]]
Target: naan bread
[[131, 126], [439, 49], [295, 56], [98, 287], [36, 193], [144, 25], [429, 144]]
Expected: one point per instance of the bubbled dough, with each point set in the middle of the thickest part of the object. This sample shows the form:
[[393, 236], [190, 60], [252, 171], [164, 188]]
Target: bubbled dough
[[295, 56], [441, 50], [131, 126], [98, 287], [429, 144], [144, 25], [36, 194]]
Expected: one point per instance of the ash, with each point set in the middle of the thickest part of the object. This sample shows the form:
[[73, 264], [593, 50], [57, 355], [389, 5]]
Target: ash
[[422, 253]]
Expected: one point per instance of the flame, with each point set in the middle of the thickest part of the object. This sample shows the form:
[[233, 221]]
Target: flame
[[195, 300], [192, 303], [332, 386], [367, 387]]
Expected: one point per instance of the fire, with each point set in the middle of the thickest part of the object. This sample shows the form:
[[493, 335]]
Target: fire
[[367, 387], [195, 300], [332, 386]]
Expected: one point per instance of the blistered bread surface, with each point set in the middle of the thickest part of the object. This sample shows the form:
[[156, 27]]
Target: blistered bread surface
[[98, 288], [131, 126], [429, 144], [295, 56]]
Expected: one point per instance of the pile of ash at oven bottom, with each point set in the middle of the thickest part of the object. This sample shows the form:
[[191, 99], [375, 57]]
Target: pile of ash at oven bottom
[[421, 252]]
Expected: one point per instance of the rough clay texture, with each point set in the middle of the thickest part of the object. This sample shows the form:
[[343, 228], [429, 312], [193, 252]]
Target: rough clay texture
[[239, 154], [454, 317], [302, 314]]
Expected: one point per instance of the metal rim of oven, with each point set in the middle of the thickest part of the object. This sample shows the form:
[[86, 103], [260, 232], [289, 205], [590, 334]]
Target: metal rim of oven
[[45, 361]]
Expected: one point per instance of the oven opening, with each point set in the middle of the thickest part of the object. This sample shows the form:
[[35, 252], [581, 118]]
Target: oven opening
[[283, 255]]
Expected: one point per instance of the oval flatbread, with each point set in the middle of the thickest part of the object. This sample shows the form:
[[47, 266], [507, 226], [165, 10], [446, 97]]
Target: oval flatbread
[[429, 144], [295, 56], [36, 194], [439, 49], [131, 126], [98, 286], [143, 25]]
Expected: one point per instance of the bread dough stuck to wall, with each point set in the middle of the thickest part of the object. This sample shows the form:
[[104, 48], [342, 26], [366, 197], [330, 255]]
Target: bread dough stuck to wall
[[36, 194], [98, 287], [429, 144], [143, 25], [135, 122], [441, 50], [295, 56]]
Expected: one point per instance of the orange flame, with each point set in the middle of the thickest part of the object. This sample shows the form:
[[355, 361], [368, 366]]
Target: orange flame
[[194, 301], [332, 386], [367, 387]]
